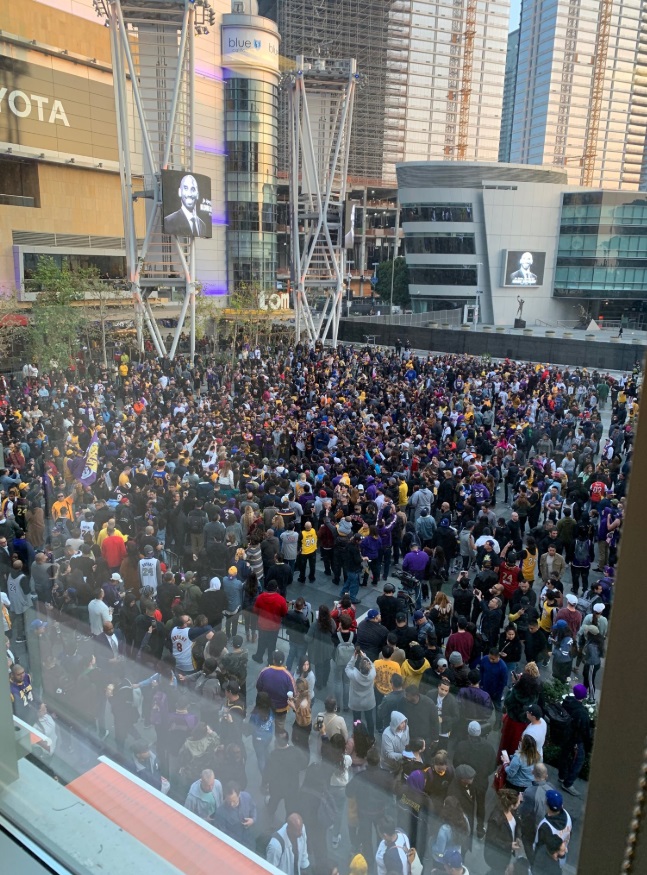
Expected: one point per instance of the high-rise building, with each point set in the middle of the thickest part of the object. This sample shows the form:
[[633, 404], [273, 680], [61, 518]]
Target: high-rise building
[[431, 74], [580, 99], [455, 64], [509, 86]]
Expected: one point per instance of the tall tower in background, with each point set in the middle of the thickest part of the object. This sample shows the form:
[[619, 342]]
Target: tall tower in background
[[250, 59], [580, 98], [455, 72], [342, 29], [509, 86], [427, 72]]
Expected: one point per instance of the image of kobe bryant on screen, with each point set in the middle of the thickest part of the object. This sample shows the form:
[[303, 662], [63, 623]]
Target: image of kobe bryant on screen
[[524, 276], [185, 222]]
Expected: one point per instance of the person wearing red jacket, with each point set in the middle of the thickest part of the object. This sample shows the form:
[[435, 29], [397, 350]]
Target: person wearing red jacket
[[113, 549], [271, 607]]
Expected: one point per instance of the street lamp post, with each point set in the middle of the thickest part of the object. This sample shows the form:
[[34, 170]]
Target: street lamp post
[[475, 314], [395, 250]]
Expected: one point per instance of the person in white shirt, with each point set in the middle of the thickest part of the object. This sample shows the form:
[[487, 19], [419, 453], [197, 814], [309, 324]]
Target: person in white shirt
[[150, 570], [99, 613], [536, 728], [394, 841], [47, 726], [287, 849]]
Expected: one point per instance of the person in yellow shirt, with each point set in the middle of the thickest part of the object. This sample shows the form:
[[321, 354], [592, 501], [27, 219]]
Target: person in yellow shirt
[[414, 666], [385, 668], [61, 502], [308, 554], [103, 534], [403, 494], [124, 478]]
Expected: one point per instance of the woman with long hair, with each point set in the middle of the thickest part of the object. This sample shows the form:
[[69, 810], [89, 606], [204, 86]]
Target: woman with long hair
[[518, 699], [510, 648], [503, 835], [519, 770], [592, 650], [440, 615], [334, 756], [454, 832], [358, 745], [248, 519], [302, 708], [320, 645]]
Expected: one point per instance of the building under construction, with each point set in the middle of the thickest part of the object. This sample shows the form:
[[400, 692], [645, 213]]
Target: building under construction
[[346, 29], [431, 76]]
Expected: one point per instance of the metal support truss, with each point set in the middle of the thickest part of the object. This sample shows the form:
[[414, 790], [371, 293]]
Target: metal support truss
[[152, 47], [321, 96]]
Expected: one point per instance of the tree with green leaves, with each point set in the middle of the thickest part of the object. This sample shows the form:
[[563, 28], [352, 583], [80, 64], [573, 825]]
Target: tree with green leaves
[[13, 332], [400, 282], [57, 316]]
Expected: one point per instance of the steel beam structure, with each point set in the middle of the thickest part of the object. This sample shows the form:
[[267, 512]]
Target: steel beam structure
[[321, 97], [152, 47]]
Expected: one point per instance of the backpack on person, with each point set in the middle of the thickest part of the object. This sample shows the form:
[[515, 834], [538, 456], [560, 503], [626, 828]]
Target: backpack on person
[[344, 651], [196, 522], [586, 601], [263, 841], [582, 553], [559, 722]]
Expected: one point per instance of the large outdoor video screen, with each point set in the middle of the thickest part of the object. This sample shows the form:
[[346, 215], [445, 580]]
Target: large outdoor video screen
[[186, 204], [524, 267]]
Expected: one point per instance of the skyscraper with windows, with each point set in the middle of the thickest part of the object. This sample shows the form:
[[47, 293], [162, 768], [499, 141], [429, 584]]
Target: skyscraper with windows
[[577, 94], [425, 68], [509, 86]]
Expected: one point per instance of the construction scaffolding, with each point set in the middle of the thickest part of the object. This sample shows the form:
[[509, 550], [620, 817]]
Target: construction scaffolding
[[321, 96], [466, 82], [375, 35], [153, 66], [597, 92]]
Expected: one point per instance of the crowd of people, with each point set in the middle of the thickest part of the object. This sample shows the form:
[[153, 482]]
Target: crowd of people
[[157, 525]]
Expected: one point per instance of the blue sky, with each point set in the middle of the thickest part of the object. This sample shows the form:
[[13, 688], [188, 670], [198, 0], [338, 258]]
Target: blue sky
[[515, 11]]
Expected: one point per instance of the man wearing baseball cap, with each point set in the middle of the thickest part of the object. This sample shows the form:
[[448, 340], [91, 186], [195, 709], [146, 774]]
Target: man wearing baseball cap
[[596, 617], [571, 614], [556, 823], [451, 864]]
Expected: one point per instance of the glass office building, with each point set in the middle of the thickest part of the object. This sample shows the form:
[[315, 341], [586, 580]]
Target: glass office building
[[557, 46], [602, 253]]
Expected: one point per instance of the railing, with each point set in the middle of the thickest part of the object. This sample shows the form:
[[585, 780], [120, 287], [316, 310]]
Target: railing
[[451, 317]]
